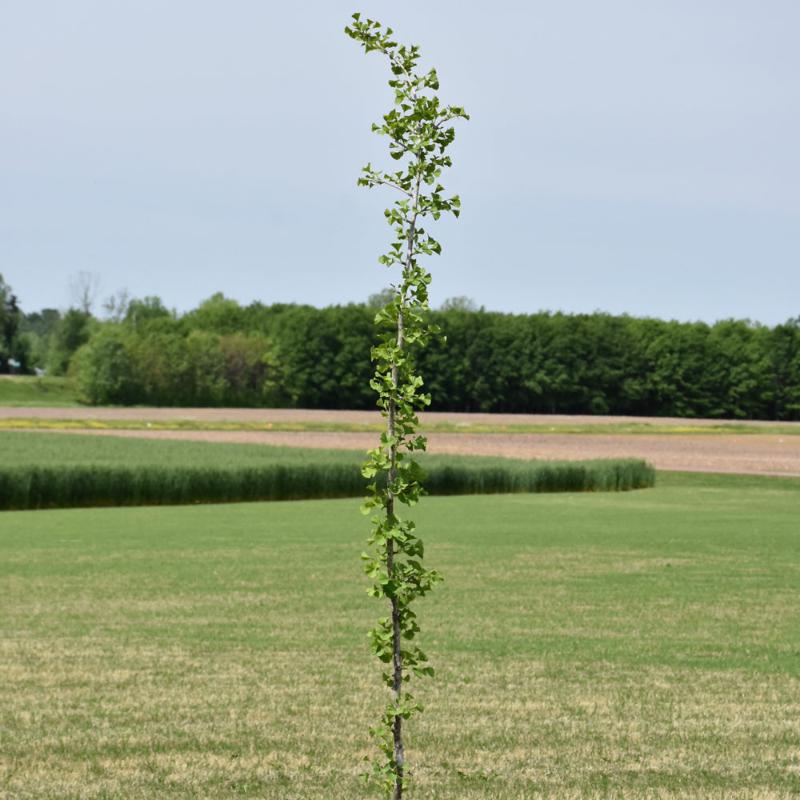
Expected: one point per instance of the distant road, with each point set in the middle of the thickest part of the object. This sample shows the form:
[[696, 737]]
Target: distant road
[[753, 453]]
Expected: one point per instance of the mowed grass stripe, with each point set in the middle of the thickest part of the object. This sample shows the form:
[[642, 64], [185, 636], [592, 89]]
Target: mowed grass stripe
[[62, 471], [634, 646]]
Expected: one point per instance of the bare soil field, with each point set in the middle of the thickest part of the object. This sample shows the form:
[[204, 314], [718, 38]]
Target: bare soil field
[[364, 417], [757, 454]]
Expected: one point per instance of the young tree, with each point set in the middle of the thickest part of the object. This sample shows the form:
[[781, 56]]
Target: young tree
[[71, 332], [116, 305], [419, 132], [83, 288]]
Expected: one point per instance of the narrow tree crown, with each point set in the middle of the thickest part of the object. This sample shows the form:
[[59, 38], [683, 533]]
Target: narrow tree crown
[[419, 132]]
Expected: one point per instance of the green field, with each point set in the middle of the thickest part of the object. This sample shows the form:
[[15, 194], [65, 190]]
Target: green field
[[28, 448], [52, 470], [635, 645], [22, 390], [22, 448]]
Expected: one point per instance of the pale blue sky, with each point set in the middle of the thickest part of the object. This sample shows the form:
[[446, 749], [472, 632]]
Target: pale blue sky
[[628, 156]]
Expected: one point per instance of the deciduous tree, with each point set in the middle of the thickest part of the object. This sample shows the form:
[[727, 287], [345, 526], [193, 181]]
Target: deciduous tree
[[419, 131]]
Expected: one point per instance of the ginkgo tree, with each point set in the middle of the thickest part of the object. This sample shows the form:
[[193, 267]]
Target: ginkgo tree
[[419, 130]]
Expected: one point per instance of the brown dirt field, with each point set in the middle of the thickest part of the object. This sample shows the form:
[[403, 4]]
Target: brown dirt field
[[750, 454], [316, 415]]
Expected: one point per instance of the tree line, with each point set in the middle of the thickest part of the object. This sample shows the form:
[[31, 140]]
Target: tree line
[[223, 353]]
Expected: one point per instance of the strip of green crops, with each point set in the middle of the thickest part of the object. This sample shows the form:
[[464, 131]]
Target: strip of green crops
[[62, 471]]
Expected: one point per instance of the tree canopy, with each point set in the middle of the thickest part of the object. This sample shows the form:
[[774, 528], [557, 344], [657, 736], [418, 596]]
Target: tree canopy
[[520, 363]]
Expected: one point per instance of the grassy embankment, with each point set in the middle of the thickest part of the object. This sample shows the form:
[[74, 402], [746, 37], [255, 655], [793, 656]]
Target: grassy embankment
[[636, 646], [23, 390], [60, 470]]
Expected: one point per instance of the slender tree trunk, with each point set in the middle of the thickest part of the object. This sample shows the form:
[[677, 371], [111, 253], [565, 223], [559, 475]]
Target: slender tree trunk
[[397, 656]]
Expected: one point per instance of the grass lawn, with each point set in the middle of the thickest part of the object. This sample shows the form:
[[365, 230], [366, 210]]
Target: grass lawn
[[24, 390], [635, 645]]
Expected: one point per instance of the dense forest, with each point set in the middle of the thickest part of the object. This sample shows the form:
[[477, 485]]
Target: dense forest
[[225, 354]]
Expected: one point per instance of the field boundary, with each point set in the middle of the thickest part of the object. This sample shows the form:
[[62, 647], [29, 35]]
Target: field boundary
[[373, 424]]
